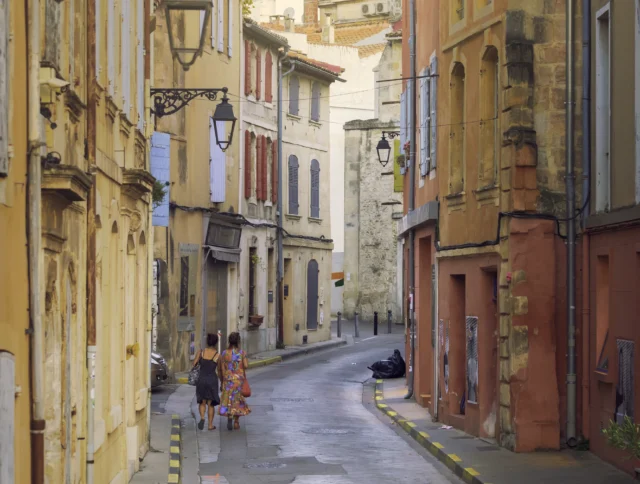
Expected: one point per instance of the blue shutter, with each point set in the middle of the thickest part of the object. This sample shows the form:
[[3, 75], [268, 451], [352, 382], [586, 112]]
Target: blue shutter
[[424, 135], [315, 102], [433, 106], [403, 120], [217, 164], [315, 189], [160, 169], [294, 90], [293, 185]]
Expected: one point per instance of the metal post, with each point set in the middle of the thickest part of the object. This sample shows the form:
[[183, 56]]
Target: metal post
[[357, 332], [339, 324], [389, 321], [571, 239], [375, 323]]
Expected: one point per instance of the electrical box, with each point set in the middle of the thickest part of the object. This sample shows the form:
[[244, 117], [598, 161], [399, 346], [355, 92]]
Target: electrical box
[[270, 296], [286, 290]]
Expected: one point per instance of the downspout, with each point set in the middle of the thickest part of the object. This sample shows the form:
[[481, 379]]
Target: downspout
[[571, 236], [412, 195], [586, 192], [280, 274], [35, 240]]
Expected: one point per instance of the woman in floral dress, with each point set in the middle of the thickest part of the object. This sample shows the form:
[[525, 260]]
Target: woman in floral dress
[[232, 367]]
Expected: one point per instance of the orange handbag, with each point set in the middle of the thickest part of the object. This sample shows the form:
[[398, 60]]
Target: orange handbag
[[245, 390]]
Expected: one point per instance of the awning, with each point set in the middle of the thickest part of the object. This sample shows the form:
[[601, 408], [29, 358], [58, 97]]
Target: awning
[[222, 254]]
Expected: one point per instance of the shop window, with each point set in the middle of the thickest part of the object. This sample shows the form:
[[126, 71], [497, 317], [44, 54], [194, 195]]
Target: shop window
[[626, 380]]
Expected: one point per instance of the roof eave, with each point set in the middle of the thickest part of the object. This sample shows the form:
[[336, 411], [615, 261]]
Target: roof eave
[[314, 70], [265, 35]]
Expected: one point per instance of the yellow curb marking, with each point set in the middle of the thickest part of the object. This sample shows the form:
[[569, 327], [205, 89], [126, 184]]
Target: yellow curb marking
[[472, 471], [378, 392], [379, 382], [391, 413], [174, 449], [379, 398], [173, 478], [175, 438], [424, 434], [438, 445], [382, 405], [175, 426], [174, 463], [175, 415], [454, 458], [411, 424]]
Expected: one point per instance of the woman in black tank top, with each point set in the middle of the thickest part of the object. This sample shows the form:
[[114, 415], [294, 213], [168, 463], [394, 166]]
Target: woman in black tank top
[[207, 386]]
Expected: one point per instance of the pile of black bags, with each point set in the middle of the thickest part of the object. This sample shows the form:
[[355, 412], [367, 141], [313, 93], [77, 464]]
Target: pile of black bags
[[394, 367]]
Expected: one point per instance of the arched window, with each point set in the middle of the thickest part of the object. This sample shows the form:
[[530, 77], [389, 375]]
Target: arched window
[[457, 130], [293, 185], [489, 136], [315, 188]]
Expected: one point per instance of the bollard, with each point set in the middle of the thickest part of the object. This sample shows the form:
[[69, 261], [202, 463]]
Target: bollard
[[339, 324], [357, 333], [389, 321], [375, 323]]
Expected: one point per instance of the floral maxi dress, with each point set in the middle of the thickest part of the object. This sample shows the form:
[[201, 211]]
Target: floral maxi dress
[[232, 368]]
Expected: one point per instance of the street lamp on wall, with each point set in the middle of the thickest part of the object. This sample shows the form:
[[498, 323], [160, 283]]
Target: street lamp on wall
[[384, 148], [187, 48], [170, 101]]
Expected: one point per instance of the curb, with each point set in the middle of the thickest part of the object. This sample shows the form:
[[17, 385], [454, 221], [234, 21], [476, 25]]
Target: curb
[[175, 448], [452, 461], [264, 362], [183, 380]]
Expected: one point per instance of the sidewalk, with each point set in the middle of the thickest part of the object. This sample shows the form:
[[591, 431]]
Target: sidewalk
[[482, 462]]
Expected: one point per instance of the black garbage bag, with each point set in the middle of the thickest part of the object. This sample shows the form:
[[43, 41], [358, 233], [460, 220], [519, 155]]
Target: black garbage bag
[[393, 367]]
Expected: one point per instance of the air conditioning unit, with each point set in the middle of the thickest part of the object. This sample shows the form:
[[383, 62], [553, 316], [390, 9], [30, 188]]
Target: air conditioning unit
[[369, 9], [382, 8]]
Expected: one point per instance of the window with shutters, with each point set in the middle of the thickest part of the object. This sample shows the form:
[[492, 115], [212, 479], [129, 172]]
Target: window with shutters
[[254, 174], [398, 179], [261, 172], [489, 118], [268, 77], [294, 93], [315, 188], [258, 85], [4, 87], [434, 112], [425, 124], [403, 119], [457, 130], [111, 47], [51, 56], [229, 27], [293, 185], [247, 67], [221, 25], [269, 170], [125, 56], [160, 169], [315, 101], [140, 63], [265, 169]]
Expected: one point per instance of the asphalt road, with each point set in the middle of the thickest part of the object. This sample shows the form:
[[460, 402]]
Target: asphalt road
[[314, 422]]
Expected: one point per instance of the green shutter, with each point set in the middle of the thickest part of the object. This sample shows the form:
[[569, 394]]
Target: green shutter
[[398, 179]]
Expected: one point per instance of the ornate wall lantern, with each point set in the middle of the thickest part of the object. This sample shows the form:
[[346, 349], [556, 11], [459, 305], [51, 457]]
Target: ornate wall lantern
[[384, 149], [186, 50]]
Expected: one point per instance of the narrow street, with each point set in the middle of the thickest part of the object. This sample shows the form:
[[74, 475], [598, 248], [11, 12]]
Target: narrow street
[[312, 423]]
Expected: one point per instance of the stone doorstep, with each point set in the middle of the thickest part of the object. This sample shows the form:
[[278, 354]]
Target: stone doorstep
[[477, 461]]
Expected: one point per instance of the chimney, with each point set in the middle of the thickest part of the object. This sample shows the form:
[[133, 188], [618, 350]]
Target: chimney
[[289, 24], [328, 30], [311, 12]]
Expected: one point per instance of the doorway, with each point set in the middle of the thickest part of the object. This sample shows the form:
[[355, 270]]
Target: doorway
[[216, 303], [312, 295]]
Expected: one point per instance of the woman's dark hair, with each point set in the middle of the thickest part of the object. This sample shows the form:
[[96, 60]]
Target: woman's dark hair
[[234, 339], [212, 339]]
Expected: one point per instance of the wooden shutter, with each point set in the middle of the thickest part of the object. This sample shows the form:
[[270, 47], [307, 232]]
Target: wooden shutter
[[265, 170], [214, 21], [220, 25], [230, 38], [315, 189], [247, 164], [98, 39], [268, 77], [258, 73], [160, 169], [140, 64], [4, 90], [403, 119], [274, 172], [294, 90], [111, 42], [247, 68], [398, 180], [125, 54], [433, 115], [217, 164], [293, 185], [259, 172], [315, 101], [425, 133]]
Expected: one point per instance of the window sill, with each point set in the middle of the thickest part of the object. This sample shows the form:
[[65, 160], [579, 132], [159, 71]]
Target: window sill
[[317, 124], [268, 105], [486, 193], [294, 117], [314, 220], [290, 216], [455, 199], [268, 203]]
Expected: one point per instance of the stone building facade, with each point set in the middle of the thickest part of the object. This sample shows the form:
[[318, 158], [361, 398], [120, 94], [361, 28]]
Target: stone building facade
[[373, 201], [489, 287], [197, 230]]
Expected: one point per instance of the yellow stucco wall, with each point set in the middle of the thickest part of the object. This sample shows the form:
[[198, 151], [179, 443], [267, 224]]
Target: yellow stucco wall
[[14, 284]]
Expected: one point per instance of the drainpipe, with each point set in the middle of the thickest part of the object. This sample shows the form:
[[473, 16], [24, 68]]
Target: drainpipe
[[35, 239], [586, 191], [412, 195], [571, 238], [280, 274]]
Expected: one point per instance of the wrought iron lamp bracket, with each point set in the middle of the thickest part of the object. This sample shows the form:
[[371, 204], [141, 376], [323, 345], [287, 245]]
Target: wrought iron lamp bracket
[[391, 134], [170, 101]]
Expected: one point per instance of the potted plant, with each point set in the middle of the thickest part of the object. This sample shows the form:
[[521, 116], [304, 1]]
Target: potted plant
[[255, 320], [401, 161], [625, 436]]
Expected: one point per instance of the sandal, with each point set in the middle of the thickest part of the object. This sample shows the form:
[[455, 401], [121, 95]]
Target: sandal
[[212, 428], [229, 424], [236, 425], [201, 424]]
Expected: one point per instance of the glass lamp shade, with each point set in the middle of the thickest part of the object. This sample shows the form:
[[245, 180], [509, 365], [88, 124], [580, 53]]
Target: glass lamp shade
[[384, 151], [186, 48], [224, 122]]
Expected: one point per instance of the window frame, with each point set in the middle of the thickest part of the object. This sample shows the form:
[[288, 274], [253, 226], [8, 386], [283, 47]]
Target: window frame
[[603, 113]]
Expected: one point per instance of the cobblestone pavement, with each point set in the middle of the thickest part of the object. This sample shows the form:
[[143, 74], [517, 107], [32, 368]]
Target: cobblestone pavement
[[312, 424]]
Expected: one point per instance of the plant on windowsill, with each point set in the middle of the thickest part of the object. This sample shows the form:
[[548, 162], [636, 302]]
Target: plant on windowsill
[[401, 161], [624, 436]]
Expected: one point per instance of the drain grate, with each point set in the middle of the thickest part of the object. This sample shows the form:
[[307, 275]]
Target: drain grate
[[292, 400], [327, 431], [265, 465]]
